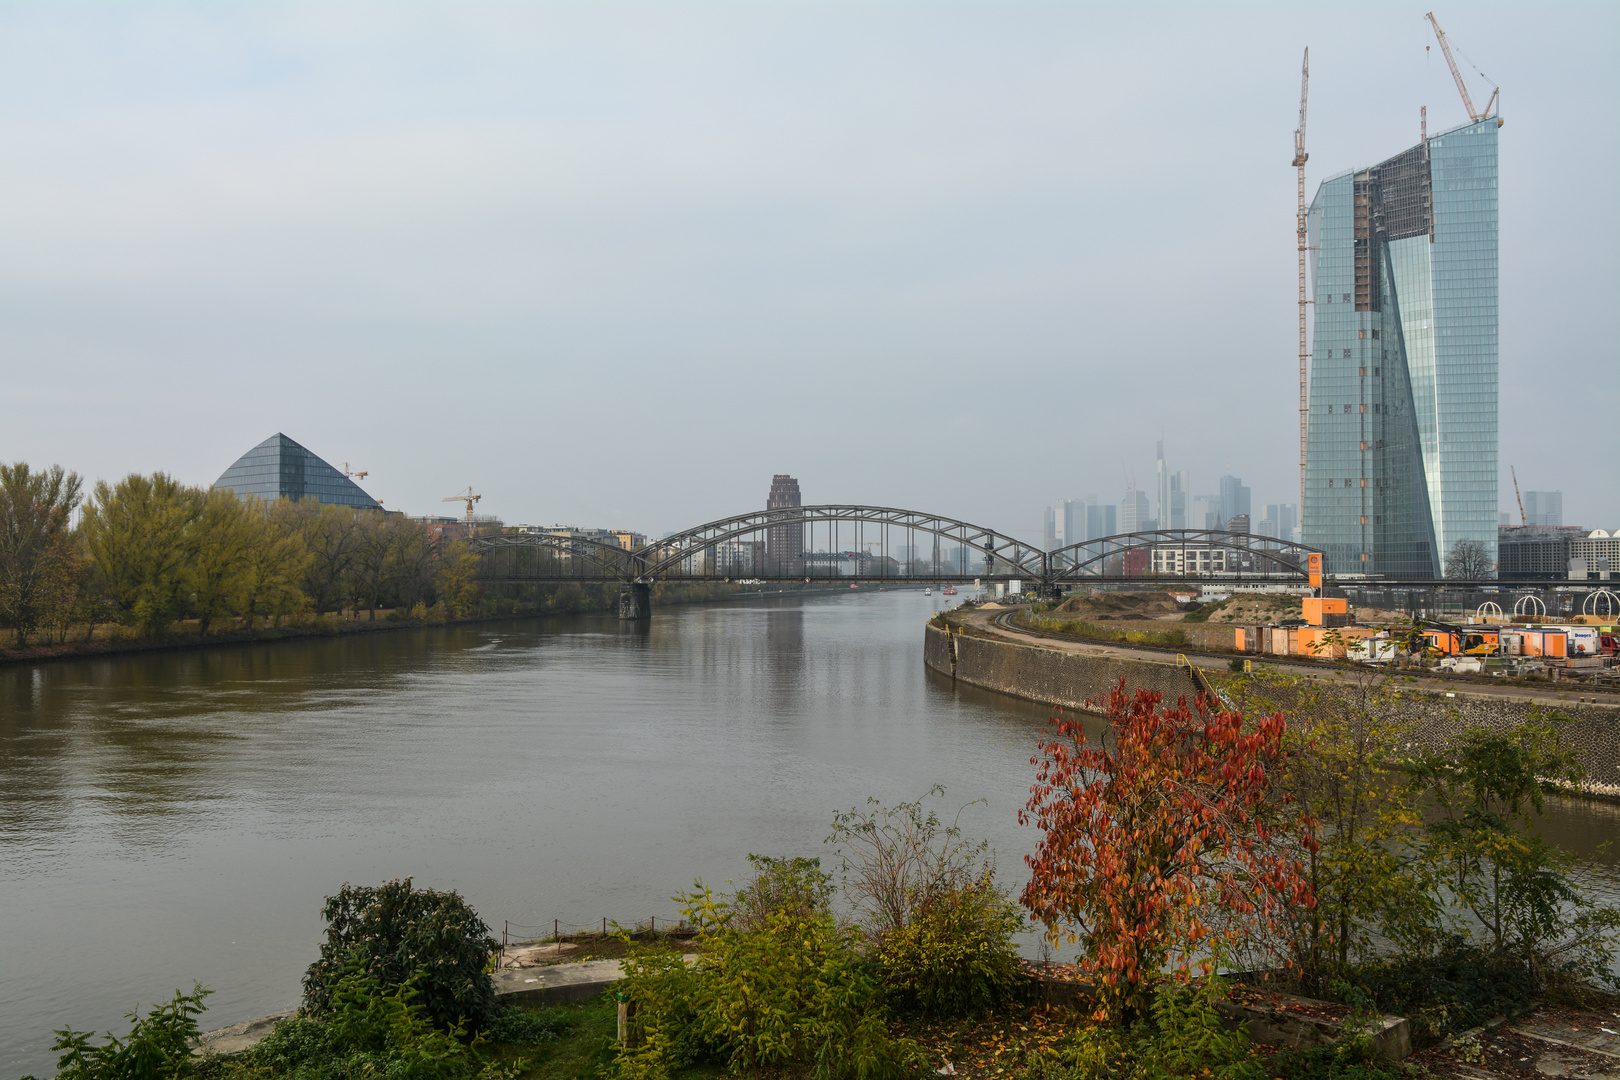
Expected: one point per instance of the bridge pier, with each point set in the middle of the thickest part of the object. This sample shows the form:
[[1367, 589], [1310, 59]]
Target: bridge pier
[[1049, 592], [635, 600]]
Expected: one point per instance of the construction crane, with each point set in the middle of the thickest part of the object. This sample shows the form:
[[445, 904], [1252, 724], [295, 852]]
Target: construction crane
[[1462, 87], [355, 475], [1300, 157], [469, 497], [1522, 519]]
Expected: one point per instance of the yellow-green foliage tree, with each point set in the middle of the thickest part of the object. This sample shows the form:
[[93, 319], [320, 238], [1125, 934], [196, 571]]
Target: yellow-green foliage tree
[[35, 547], [331, 536], [1346, 740], [457, 578], [272, 565], [218, 549], [136, 532]]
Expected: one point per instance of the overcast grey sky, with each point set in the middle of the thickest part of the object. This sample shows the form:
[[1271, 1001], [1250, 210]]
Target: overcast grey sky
[[617, 264]]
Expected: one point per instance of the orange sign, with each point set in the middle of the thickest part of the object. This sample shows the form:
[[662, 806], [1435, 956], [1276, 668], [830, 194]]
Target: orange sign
[[1313, 563]]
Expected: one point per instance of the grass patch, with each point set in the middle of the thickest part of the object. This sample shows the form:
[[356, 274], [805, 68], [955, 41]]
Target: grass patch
[[1079, 628], [581, 1044]]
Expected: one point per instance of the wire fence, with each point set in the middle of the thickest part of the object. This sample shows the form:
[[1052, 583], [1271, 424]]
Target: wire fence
[[572, 932]]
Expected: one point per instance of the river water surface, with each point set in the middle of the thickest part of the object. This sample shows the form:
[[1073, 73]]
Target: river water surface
[[179, 817]]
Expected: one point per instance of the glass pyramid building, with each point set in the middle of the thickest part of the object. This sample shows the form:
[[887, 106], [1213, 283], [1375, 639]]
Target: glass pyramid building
[[279, 468], [1401, 457]]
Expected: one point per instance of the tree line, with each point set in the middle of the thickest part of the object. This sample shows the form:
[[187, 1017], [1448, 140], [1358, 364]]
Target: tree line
[[150, 552]]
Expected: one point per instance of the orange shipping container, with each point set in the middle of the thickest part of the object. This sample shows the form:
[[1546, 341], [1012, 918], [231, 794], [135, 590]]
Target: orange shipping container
[[1318, 606]]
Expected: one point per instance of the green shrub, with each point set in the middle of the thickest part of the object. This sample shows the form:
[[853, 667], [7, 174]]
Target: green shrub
[[955, 954], [398, 935], [158, 1045], [791, 994], [369, 1031], [795, 885]]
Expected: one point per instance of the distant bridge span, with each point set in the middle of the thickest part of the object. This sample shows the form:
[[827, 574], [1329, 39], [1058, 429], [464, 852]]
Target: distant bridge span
[[879, 544]]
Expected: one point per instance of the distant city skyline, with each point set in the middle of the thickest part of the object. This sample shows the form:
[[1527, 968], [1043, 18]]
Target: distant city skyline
[[600, 262]]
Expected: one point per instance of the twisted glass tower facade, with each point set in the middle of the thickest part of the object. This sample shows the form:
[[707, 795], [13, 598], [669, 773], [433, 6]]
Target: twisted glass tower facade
[[1401, 460]]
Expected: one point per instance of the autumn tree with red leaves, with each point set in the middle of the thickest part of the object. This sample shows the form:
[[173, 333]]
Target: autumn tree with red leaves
[[1158, 840]]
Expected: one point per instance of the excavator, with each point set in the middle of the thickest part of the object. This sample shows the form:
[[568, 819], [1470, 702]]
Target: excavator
[[1446, 639]]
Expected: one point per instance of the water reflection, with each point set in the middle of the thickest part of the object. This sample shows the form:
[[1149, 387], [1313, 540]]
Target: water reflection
[[177, 816]]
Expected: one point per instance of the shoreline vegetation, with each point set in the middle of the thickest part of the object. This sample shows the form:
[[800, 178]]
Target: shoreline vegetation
[[111, 639], [1376, 901], [151, 564]]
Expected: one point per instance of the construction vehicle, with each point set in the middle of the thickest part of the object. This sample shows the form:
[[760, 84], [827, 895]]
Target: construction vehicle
[[1446, 639]]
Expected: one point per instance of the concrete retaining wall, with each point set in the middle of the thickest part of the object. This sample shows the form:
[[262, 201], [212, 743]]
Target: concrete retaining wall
[[1070, 679], [1046, 675]]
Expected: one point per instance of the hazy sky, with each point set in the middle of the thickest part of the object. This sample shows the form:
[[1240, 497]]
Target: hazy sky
[[617, 264]]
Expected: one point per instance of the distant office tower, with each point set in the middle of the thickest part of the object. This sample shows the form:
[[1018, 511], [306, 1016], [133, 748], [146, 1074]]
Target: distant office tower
[[1162, 481], [1401, 459], [1101, 520], [1544, 507], [1234, 498], [1133, 512], [1285, 517], [1238, 523], [1049, 526], [1205, 512], [1180, 485], [1066, 523], [279, 468], [784, 544]]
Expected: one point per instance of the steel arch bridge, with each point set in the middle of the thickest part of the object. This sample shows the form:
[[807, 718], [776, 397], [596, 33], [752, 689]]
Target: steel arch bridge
[[854, 543]]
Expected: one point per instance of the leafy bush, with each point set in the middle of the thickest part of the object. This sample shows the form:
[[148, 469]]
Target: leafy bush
[[1458, 988], [370, 1030], [955, 954], [398, 935], [794, 885], [158, 1045], [792, 993]]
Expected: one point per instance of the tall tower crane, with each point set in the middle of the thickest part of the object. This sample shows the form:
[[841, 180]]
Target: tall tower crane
[[1522, 519], [1300, 157], [1462, 87], [469, 497]]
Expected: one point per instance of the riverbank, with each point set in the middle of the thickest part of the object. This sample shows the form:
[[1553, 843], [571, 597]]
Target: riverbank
[[978, 647], [576, 600]]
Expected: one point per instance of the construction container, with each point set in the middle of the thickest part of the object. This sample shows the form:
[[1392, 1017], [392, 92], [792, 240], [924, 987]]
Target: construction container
[[1549, 644], [1317, 607]]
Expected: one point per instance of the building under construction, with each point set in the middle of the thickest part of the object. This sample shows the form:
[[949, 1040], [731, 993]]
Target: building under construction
[[1401, 462]]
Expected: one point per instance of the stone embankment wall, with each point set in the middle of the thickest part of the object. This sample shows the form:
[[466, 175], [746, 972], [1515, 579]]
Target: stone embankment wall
[[1046, 675], [1071, 679]]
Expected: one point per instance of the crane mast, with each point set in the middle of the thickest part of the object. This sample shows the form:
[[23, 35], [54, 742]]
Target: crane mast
[[1304, 354], [1522, 519]]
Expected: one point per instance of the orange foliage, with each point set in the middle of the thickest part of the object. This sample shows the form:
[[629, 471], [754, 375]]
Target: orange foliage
[[1158, 840]]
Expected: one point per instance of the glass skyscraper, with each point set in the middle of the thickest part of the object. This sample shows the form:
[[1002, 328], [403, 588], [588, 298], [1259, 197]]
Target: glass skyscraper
[[1401, 460], [279, 468]]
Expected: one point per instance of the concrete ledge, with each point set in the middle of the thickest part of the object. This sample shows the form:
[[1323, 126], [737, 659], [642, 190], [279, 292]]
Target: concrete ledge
[[1280, 1025], [237, 1037], [558, 983]]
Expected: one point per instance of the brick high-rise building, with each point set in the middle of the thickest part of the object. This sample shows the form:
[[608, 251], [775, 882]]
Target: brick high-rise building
[[784, 544]]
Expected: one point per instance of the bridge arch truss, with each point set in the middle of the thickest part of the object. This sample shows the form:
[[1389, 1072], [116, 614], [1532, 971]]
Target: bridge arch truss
[[877, 543]]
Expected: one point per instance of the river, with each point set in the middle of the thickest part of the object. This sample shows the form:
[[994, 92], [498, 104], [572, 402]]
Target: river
[[176, 817]]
